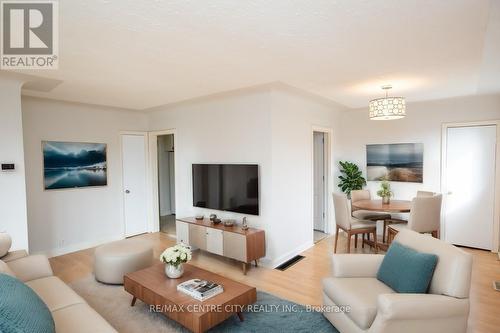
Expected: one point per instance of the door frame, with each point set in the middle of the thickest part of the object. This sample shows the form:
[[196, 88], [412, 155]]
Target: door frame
[[328, 153], [146, 151], [496, 214], [154, 207]]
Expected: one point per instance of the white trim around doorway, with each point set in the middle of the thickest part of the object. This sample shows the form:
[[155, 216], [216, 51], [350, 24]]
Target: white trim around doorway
[[154, 210], [329, 227]]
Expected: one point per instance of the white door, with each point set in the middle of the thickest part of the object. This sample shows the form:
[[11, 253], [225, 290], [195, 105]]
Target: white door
[[134, 184], [319, 180], [469, 180]]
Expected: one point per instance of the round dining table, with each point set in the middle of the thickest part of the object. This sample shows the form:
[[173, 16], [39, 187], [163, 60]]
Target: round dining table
[[394, 206]]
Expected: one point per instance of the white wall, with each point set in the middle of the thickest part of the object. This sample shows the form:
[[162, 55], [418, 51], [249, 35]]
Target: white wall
[[229, 129], [271, 127], [293, 117], [12, 184], [66, 220], [422, 124]]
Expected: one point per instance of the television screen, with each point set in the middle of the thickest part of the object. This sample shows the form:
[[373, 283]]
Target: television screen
[[230, 187]]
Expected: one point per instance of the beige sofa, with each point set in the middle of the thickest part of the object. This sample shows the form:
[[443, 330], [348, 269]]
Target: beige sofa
[[70, 312], [376, 308]]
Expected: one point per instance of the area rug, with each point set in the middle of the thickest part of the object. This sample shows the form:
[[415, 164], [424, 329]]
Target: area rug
[[113, 303]]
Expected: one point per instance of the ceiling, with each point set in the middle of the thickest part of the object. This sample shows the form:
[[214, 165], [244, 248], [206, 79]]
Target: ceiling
[[141, 54]]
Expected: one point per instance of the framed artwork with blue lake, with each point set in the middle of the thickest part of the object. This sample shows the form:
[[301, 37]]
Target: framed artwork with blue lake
[[74, 164], [399, 162]]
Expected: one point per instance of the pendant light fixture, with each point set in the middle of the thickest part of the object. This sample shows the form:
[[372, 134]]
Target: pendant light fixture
[[387, 108]]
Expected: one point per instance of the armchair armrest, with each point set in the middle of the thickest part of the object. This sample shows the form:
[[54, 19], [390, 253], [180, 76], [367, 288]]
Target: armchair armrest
[[31, 267], [421, 306], [14, 255], [356, 265]]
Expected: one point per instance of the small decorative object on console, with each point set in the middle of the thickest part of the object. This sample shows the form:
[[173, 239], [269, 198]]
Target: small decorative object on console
[[199, 217], [174, 257], [213, 217], [229, 222], [244, 224]]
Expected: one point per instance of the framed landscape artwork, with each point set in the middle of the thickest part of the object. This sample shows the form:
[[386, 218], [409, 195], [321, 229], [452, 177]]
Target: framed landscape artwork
[[400, 162], [73, 164]]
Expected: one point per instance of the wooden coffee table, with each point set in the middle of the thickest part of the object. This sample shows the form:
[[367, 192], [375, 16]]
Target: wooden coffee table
[[153, 287]]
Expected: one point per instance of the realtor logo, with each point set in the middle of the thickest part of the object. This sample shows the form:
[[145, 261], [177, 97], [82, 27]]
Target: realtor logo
[[29, 35]]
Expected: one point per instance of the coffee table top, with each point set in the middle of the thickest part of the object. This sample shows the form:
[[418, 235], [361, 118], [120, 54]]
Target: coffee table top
[[155, 280]]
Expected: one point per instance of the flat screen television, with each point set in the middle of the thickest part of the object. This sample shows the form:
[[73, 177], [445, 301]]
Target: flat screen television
[[229, 187]]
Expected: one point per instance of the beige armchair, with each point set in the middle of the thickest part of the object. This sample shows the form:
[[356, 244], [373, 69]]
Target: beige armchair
[[376, 308], [425, 217], [351, 225]]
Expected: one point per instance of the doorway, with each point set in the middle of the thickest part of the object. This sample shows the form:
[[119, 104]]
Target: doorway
[[469, 172], [320, 194], [166, 183], [134, 168]]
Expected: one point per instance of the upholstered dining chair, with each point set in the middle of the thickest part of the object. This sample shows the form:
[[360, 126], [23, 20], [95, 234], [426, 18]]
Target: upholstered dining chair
[[358, 195], [425, 194], [425, 217], [351, 225]]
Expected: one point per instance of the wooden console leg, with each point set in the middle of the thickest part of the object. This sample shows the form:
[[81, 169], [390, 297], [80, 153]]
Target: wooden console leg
[[245, 268], [240, 316], [256, 263], [133, 301]]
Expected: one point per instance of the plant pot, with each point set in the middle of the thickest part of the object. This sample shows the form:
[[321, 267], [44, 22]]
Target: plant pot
[[386, 200], [174, 272]]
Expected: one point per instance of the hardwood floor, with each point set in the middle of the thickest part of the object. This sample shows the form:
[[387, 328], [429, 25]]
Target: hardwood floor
[[306, 275]]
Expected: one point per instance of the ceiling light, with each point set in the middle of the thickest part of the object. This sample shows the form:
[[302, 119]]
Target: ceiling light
[[387, 108]]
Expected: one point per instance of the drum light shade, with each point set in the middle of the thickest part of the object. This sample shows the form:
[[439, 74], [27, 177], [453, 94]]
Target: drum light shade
[[387, 108]]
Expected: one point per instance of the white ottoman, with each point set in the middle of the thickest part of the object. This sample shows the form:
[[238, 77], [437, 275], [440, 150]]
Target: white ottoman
[[112, 261]]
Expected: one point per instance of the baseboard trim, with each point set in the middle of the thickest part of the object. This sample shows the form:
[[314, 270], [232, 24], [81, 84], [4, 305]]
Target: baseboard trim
[[77, 247], [287, 256]]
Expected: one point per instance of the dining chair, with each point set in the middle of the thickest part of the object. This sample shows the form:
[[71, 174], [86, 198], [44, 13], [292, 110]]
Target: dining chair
[[358, 195], [425, 194], [351, 225], [425, 217]]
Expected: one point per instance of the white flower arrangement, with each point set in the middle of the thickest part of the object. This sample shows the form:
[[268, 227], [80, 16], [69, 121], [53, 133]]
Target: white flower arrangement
[[176, 255]]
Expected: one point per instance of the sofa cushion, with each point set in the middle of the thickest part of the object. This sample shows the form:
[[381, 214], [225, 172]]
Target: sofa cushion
[[360, 294], [5, 243], [55, 293], [406, 270], [4, 268], [80, 318], [21, 310]]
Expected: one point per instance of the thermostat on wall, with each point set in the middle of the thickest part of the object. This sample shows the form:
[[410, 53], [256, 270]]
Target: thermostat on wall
[[8, 167]]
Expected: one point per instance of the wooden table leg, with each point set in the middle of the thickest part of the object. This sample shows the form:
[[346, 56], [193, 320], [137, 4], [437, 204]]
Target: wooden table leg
[[240, 316], [255, 262], [133, 301], [384, 231], [245, 268]]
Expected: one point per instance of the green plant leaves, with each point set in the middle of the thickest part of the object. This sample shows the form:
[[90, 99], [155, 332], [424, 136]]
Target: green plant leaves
[[351, 177]]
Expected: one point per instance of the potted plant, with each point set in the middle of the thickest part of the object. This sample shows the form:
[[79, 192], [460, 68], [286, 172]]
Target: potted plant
[[385, 192], [174, 257], [351, 178]]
